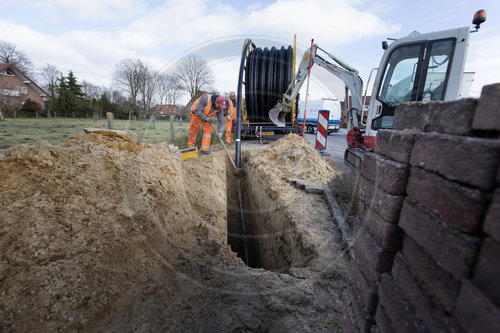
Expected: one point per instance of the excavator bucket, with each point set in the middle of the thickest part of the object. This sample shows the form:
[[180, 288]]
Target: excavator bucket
[[278, 113], [277, 117]]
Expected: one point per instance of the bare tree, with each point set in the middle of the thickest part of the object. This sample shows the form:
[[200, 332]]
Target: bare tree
[[169, 88], [91, 90], [9, 54], [49, 76], [116, 96], [194, 75], [129, 75], [148, 87]]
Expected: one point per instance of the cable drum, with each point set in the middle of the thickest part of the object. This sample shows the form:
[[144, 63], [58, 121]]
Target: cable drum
[[267, 76]]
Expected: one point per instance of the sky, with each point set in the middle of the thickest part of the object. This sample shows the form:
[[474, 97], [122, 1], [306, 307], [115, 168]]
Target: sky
[[90, 37]]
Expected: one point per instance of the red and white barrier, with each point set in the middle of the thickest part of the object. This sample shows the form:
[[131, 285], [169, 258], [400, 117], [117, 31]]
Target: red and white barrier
[[322, 132]]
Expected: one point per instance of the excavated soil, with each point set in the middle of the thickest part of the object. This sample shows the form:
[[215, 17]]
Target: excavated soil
[[104, 233]]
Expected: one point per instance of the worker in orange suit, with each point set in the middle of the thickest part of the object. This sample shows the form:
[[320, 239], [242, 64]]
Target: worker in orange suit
[[231, 116], [203, 111]]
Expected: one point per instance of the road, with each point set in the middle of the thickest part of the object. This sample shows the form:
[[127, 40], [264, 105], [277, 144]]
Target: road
[[336, 145]]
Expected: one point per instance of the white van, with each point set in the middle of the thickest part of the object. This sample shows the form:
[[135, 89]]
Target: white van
[[313, 106]]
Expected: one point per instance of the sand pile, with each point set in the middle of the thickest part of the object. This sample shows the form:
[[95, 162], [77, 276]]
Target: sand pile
[[85, 222], [292, 158], [105, 234]]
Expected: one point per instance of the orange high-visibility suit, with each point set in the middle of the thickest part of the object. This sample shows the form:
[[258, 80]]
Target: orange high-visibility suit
[[201, 111], [231, 115]]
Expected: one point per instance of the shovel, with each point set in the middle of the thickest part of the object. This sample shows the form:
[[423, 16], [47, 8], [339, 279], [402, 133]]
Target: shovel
[[223, 145]]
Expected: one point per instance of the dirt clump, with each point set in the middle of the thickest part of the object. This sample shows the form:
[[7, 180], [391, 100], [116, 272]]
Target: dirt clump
[[83, 222], [293, 158], [105, 233]]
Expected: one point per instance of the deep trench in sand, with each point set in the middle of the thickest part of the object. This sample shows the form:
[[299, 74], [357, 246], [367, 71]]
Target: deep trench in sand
[[258, 231]]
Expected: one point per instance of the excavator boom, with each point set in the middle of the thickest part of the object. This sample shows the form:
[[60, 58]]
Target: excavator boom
[[333, 65]]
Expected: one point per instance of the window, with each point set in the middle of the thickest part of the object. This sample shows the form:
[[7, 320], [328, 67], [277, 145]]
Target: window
[[22, 89], [401, 72], [438, 64], [414, 72]]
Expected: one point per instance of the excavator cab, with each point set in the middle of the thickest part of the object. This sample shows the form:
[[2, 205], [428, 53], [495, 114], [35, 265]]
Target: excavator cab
[[419, 67]]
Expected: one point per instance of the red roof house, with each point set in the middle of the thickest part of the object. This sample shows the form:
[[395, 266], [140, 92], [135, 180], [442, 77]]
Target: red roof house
[[165, 109], [17, 87]]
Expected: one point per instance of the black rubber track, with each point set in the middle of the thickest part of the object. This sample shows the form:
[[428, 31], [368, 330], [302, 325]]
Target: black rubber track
[[267, 76]]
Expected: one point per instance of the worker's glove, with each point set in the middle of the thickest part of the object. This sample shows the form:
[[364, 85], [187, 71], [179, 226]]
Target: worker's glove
[[219, 135]]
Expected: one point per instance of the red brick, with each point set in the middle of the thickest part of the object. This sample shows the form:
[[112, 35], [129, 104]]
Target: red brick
[[442, 286], [383, 321], [457, 205], [386, 173], [475, 311], [472, 161], [367, 291], [487, 272], [367, 250], [432, 315], [454, 251], [443, 117], [487, 115], [492, 221], [388, 206], [388, 235], [394, 144], [363, 318], [399, 311]]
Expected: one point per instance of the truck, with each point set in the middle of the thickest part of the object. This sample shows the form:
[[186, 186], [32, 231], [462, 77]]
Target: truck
[[313, 107], [418, 67]]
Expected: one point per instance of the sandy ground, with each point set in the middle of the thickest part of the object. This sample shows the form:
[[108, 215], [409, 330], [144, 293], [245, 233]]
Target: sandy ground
[[103, 233]]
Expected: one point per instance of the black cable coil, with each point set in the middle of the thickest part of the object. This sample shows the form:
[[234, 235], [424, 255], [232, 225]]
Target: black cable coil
[[267, 76]]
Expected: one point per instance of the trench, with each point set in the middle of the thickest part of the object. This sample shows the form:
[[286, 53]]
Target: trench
[[259, 232]]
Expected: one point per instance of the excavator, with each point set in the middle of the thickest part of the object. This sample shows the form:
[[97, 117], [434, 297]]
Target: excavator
[[418, 67]]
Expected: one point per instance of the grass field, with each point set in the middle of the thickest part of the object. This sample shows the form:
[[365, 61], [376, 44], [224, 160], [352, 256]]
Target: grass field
[[28, 131]]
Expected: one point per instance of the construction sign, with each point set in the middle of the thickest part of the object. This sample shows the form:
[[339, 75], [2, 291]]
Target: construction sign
[[322, 132]]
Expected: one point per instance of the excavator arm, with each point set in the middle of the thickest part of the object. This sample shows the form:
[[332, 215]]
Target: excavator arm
[[346, 73]]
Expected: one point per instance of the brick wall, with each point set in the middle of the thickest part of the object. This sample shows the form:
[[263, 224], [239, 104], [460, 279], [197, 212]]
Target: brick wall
[[426, 252], [12, 82]]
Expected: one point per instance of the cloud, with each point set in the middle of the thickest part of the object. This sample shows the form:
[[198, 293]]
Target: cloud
[[189, 22], [89, 11], [483, 59], [156, 33]]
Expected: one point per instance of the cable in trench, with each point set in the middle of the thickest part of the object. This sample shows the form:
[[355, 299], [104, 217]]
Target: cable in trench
[[242, 218]]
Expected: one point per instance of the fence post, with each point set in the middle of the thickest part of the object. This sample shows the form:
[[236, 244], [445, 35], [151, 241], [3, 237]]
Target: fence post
[[1, 115], [172, 133], [109, 115], [152, 121]]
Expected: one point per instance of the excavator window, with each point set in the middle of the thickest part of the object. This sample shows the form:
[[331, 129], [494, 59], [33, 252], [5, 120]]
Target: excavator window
[[400, 81], [414, 72], [438, 65]]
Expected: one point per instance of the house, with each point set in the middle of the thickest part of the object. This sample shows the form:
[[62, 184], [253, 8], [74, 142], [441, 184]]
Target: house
[[165, 109], [16, 87]]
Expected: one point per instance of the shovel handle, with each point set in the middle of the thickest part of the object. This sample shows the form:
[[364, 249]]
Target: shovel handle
[[223, 145]]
